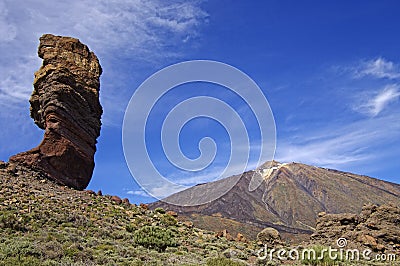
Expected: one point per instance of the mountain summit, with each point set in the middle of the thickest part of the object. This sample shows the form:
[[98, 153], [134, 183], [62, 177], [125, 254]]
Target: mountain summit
[[289, 199]]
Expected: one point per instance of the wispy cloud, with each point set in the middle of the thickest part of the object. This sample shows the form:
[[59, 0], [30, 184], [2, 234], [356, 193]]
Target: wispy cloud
[[124, 29], [15, 86], [141, 193], [341, 146], [345, 140], [378, 68], [208, 175], [127, 36], [8, 31], [378, 101], [165, 189]]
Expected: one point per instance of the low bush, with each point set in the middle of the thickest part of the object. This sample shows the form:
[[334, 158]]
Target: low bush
[[9, 220], [168, 220], [223, 262], [321, 257], [154, 237], [130, 228], [159, 210]]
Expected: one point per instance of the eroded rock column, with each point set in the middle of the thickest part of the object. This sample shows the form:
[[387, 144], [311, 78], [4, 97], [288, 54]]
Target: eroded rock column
[[65, 103]]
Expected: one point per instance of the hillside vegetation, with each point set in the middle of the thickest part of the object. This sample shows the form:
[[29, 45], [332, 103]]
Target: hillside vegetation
[[42, 223]]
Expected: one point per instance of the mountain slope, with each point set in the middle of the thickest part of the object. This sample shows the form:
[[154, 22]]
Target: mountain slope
[[289, 199], [42, 223]]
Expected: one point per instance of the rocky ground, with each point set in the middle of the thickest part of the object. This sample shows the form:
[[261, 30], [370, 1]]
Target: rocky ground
[[376, 228], [42, 223]]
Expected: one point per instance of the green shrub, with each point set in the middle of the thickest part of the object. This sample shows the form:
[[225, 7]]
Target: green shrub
[[24, 261], [9, 220], [223, 262], [154, 237], [130, 228], [51, 249], [320, 260], [159, 210], [19, 250], [168, 220], [78, 220]]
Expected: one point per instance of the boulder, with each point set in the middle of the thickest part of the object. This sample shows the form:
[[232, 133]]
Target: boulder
[[269, 235], [376, 227], [226, 234], [188, 224], [3, 165], [144, 206], [116, 199], [241, 238], [172, 213], [126, 201]]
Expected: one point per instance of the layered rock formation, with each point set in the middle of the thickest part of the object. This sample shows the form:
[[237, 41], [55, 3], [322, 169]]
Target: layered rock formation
[[65, 103], [376, 227]]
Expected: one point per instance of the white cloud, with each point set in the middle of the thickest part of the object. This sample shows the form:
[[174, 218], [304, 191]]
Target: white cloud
[[342, 146], [379, 68], [8, 31], [379, 101], [119, 32], [126, 35], [346, 141], [127, 29], [208, 175], [138, 193], [15, 85], [165, 190]]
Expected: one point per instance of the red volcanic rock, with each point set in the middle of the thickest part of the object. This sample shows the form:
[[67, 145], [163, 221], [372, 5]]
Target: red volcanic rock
[[241, 238], [116, 199], [172, 213], [376, 227], [144, 206], [65, 103], [126, 201], [224, 233], [90, 192], [188, 224]]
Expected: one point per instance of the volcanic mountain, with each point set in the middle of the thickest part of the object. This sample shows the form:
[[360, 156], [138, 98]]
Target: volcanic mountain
[[288, 199]]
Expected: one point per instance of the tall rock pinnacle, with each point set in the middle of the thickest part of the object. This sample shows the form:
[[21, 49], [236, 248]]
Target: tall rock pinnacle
[[65, 103]]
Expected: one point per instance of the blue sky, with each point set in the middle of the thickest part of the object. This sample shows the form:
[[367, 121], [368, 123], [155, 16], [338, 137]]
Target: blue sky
[[329, 69]]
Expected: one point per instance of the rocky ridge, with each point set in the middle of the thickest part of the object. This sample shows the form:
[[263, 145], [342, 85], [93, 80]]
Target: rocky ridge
[[376, 227]]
